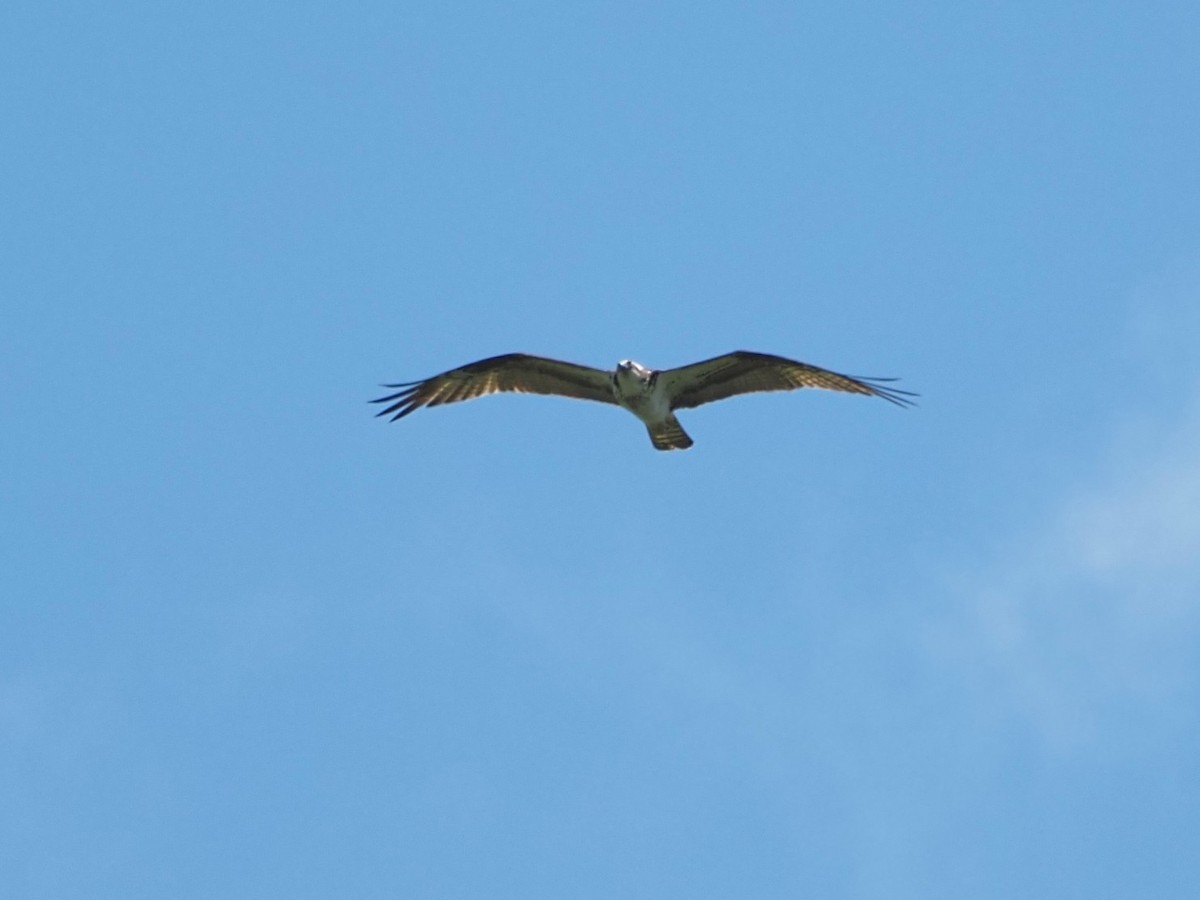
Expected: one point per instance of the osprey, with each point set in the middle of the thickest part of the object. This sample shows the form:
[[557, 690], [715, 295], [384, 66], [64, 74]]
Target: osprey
[[651, 395]]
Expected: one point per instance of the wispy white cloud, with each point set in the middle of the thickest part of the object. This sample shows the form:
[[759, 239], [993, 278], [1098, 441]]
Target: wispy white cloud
[[1092, 620], [1146, 527]]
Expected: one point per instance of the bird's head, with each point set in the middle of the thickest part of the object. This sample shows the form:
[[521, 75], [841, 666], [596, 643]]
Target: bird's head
[[630, 369]]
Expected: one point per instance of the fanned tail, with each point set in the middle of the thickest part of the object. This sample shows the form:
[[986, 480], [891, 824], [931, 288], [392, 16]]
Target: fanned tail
[[669, 435]]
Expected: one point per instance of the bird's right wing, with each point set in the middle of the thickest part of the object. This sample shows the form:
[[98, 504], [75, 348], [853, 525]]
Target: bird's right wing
[[514, 372]]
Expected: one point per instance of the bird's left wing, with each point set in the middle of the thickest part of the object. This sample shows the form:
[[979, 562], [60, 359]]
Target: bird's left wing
[[514, 372], [744, 372]]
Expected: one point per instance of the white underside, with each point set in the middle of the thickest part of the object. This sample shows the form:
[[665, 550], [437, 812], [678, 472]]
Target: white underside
[[652, 407]]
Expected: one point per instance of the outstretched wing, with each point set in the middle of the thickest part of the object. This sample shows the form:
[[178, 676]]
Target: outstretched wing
[[743, 372], [514, 372]]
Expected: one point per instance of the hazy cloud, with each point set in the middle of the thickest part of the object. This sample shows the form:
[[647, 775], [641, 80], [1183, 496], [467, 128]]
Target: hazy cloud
[[1093, 619]]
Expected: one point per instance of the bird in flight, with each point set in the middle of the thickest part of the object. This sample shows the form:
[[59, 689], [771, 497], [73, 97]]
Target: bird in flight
[[651, 395]]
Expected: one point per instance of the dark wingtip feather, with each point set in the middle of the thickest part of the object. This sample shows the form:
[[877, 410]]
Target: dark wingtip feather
[[899, 398], [403, 400], [405, 406], [875, 385], [890, 394]]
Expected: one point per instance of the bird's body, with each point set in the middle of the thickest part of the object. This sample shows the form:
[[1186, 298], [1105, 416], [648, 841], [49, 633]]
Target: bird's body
[[651, 395], [639, 390]]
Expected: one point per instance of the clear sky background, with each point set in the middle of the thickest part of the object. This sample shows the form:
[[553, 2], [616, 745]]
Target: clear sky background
[[256, 643]]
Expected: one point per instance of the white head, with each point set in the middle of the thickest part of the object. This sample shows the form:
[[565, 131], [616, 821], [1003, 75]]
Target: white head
[[628, 368]]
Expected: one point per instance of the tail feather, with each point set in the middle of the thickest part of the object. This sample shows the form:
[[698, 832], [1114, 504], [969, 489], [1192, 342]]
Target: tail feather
[[669, 435]]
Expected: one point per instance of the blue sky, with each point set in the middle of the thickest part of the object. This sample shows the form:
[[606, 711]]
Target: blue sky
[[255, 643]]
